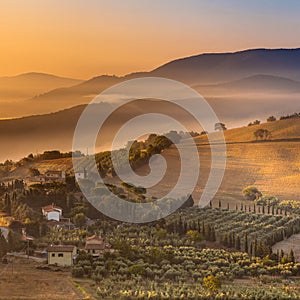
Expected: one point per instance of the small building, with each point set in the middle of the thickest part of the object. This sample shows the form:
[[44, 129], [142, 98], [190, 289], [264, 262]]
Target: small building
[[55, 175], [96, 246], [52, 212], [35, 180], [48, 176], [62, 255], [63, 223], [81, 174]]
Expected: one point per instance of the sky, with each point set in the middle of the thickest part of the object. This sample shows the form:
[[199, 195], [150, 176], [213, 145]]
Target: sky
[[86, 38]]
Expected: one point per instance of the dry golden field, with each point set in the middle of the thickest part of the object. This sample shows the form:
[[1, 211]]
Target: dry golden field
[[25, 281], [273, 166]]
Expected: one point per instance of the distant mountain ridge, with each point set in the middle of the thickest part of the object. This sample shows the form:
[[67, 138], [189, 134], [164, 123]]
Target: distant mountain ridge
[[208, 68], [239, 86], [258, 83], [34, 75], [219, 67], [28, 85]]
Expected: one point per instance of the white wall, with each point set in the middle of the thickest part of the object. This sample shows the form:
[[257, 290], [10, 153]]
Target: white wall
[[53, 215]]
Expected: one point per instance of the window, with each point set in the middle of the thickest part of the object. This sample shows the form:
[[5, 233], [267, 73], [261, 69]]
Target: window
[[60, 255], [53, 254]]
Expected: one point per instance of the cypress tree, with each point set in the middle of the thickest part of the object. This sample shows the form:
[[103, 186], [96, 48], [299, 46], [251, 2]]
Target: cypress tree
[[203, 228], [237, 243], [3, 245], [246, 246], [10, 242], [255, 247], [281, 254], [291, 256], [213, 234]]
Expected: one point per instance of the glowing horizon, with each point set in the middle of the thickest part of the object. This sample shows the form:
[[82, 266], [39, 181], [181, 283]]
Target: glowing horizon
[[83, 39]]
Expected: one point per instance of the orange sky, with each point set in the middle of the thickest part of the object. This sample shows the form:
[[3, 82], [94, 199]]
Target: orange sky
[[87, 38]]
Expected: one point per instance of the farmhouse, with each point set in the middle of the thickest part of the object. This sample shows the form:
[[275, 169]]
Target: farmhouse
[[35, 179], [61, 255], [81, 174], [48, 176], [96, 246], [55, 175], [52, 212], [64, 223]]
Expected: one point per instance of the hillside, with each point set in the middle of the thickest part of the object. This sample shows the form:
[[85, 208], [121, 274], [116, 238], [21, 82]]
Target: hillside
[[221, 67], [63, 164], [55, 131], [234, 84], [255, 84], [29, 85], [273, 166], [282, 130]]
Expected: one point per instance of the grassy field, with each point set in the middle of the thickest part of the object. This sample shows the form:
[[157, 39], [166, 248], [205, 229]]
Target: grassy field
[[288, 129], [64, 164], [291, 243], [273, 166], [25, 281], [272, 284]]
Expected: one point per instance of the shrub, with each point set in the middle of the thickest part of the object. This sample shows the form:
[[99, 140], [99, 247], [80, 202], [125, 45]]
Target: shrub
[[78, 272], [212, 283], [251, 193]]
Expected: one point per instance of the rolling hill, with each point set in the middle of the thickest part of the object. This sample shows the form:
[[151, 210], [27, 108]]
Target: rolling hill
[[213, 68], [254, 84], [235, 84], [273, 166], [29, 85], [38, 133]]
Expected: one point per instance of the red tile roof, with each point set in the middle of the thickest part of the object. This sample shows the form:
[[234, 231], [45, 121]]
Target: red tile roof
[[95, 247], [61, 248], [49, 208], [94, 238], [54, 172]]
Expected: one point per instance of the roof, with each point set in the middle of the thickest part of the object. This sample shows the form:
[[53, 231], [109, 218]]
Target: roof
[[53, 172], [94, 238], [95, 246], [27, 238], [61, 248], [49, 208]]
